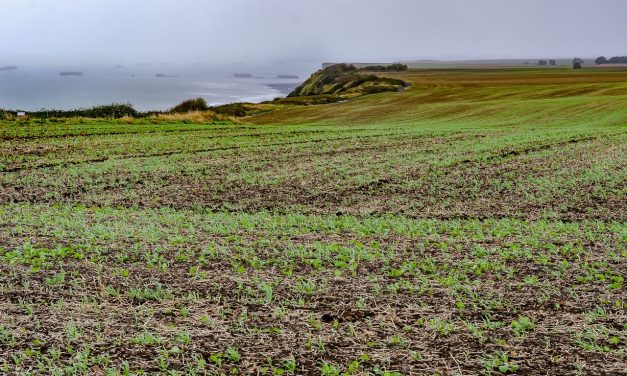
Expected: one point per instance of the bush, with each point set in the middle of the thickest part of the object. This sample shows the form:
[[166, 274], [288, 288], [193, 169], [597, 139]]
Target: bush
[[394, 81], [110, 111], [190, 105], [386, 68], [233, 109], [309, 100], [378, 89]]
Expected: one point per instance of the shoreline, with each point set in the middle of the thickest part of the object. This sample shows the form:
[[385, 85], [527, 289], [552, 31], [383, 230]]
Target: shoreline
[[32, 88]]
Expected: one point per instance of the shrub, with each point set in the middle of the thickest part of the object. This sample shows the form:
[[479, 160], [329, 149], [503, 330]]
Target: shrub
[[309, 100], [397, 67], [110, 111], [233, 109], [394, 81], [378, 89], [190, 105]]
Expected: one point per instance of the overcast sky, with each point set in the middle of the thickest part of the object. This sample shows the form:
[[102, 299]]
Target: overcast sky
[[314, 30]]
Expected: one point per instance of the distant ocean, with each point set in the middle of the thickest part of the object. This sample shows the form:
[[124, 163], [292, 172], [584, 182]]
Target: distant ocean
[[145, 86]]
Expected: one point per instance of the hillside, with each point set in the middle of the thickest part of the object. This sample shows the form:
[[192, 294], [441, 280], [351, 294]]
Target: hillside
[[347, 80], [476, 96]]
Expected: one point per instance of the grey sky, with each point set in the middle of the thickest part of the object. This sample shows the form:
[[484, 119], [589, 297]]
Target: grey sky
[[347, 30]]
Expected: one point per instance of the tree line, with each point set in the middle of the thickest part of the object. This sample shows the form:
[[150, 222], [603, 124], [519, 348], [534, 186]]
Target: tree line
[[612, 60], [119, 110]]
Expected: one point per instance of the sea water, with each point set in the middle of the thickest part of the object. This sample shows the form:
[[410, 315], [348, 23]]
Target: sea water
[[146, 86]]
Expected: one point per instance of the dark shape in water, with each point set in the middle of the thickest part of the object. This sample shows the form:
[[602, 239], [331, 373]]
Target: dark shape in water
[[161, 75], [78, 74], [119, 66], [288, 76], [243, 75], [8, 67]]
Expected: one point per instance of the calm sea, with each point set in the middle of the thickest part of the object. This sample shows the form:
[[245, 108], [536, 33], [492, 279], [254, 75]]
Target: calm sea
[[145, 86]]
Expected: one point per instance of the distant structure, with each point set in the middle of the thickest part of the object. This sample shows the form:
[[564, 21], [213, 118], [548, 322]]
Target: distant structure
[[288, 76], [243, 75], [78, 74], [21, 114]]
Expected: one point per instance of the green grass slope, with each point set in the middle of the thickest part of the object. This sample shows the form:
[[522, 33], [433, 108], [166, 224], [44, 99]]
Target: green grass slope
[[487, 96]]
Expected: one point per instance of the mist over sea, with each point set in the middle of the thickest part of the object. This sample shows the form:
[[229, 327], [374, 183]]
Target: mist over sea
[[146, 86]]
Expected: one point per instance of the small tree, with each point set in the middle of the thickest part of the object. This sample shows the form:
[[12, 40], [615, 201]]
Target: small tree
[[542, 62], [600, 60], [577, 63], [552, 62]]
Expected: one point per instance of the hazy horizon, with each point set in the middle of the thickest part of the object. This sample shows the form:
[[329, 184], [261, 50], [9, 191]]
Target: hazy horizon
[[230, 31]]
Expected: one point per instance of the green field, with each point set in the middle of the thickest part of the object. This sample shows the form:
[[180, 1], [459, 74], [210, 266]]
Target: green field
[[474, 222]]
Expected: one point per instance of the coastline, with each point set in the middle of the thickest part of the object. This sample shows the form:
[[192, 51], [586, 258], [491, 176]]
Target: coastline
[[33, 88]]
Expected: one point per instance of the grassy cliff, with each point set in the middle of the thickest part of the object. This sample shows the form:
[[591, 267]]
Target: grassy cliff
[[345, 80]]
